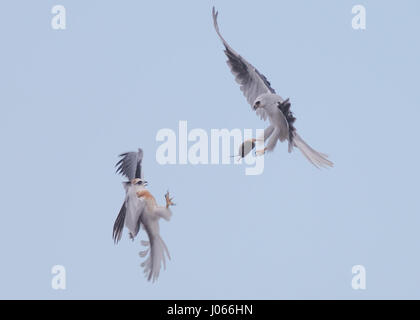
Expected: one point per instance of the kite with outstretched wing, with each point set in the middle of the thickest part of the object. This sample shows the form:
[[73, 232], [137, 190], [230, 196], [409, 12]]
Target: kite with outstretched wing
[[268, 105], [140, 209]]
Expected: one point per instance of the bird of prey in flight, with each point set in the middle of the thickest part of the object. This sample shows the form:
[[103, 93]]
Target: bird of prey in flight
[[267, 104], [140, 209]]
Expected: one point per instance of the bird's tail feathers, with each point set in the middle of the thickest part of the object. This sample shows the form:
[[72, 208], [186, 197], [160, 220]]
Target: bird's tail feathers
[[318, 159], [156, 250]]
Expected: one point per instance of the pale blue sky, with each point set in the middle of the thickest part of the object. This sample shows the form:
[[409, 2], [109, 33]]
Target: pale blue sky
[[72, 100]]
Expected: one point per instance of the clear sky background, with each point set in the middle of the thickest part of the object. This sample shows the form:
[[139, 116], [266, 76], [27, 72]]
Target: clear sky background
[[72, 100]]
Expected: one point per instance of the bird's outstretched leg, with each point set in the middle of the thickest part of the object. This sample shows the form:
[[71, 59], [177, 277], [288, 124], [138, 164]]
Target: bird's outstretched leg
[[260, 152], [168, 200]]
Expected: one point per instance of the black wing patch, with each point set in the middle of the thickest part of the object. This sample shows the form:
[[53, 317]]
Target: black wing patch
[[290, 118], [266, 82], [138, 170], [119, 225]]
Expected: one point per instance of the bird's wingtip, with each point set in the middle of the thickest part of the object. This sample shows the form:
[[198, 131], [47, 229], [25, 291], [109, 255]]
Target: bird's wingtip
[[215, 13]]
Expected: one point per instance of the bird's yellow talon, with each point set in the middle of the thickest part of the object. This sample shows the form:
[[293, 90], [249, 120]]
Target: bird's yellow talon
[[168, 200]]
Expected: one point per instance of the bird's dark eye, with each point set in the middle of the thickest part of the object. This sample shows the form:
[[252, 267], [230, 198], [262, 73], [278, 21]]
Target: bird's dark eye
[[257, 103]]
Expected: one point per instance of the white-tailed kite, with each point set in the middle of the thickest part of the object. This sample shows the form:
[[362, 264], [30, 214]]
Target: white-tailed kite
[[140, 209], [267, 104]]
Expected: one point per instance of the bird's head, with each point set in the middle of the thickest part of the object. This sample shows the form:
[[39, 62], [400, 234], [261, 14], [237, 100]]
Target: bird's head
[[266, 101], [139, 182], [257, 104], [261, 102]]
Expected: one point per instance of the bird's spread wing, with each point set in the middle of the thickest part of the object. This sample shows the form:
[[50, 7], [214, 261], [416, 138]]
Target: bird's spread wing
[[119, 224], [252, 82], [130, 165]]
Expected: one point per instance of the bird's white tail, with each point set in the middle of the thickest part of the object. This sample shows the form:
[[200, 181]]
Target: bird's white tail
[[318, 159], [156, 250]]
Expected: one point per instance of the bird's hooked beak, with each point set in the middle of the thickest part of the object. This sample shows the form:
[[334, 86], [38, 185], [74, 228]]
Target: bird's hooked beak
[[257, 105]]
